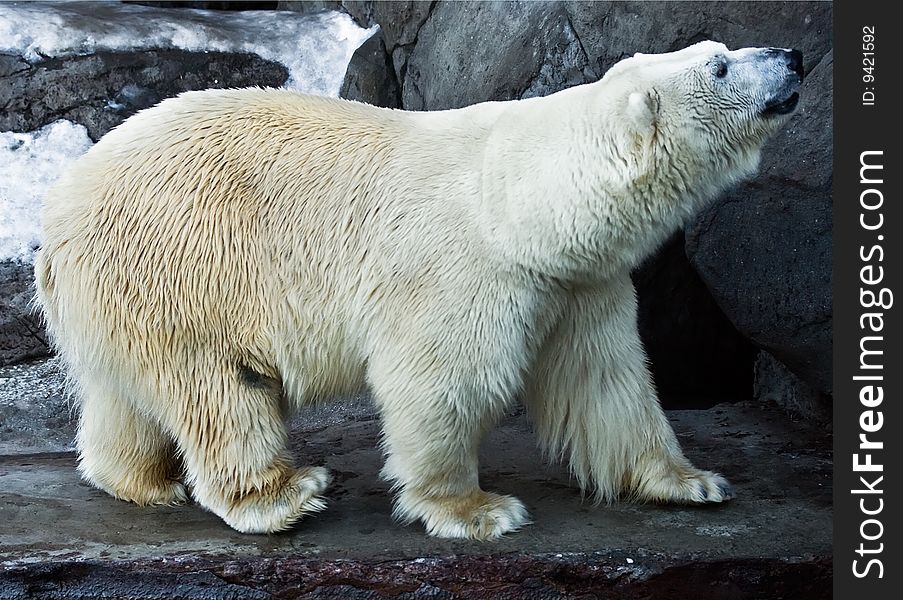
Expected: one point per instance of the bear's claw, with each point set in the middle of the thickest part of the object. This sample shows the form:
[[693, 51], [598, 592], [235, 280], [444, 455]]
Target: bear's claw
[[709, 488], [727, 490]]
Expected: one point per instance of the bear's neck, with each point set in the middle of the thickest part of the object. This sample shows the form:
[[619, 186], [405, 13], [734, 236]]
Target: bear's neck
[[572, 199]]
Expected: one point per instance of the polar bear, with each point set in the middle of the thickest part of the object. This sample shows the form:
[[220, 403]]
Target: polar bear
[[229, 255]]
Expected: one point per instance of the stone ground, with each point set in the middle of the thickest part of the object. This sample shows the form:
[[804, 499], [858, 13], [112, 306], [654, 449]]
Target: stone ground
[[59, 538]]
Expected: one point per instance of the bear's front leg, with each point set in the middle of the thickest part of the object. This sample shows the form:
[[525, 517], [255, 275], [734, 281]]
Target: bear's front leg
[[593, 401], [432, 425]]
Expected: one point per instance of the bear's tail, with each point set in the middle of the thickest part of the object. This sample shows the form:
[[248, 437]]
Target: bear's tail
[[44, 301], [43, 292]]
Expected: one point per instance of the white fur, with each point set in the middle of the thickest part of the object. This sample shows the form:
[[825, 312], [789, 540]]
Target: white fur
[[228, 255]]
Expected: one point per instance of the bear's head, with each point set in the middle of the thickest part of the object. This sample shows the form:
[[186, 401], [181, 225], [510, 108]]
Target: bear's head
[[706, 110]]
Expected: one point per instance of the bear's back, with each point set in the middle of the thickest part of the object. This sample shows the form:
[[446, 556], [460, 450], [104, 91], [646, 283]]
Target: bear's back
[[194, 207], [234, 217]]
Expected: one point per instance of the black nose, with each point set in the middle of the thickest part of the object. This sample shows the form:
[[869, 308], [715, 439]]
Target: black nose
[[792, 58], [795, 62]]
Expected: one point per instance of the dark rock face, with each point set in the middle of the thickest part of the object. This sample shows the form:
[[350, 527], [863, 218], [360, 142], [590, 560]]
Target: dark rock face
[[774, 382], [548, 577], [307, 6], [610, 31], [100, 90], [474, 52], [697, 356], [370, 76], [764, 250], [214, 5], [399, 24], [22, 334], [452, 54]]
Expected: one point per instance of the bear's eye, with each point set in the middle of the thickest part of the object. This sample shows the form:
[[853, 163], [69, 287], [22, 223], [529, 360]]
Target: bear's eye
[[721, 69]]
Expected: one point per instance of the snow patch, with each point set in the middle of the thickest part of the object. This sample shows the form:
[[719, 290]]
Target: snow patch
[[315, 48], [31, 163]]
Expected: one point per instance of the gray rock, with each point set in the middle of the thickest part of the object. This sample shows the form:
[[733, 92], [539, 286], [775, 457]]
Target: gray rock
[[399, 22], [764, 250], [309, 6], [22, 334], [472, 52], [100, 90], [361, 11], [370, 77], [466, 52], [36, 414], [775, 383], [610, 31]]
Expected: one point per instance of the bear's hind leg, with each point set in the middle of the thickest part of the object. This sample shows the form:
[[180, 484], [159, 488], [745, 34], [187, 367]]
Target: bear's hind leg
[[230, 430], [432, 441], [123, 452]]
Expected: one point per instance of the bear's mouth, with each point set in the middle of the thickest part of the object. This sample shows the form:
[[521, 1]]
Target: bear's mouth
[[782, 107]]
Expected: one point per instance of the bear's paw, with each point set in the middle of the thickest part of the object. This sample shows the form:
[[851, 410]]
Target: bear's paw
[[144, 489], [172, 493], [478, 516], [277, 508], [688, 487]]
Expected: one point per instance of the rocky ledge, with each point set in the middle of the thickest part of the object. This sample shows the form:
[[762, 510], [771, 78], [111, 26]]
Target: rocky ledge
[[63, 539]]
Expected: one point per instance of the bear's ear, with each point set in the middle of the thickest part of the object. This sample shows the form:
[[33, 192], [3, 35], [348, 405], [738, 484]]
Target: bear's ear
[[642, 109]]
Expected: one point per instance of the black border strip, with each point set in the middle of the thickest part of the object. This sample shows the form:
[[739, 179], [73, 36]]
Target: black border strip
[[868, 223]]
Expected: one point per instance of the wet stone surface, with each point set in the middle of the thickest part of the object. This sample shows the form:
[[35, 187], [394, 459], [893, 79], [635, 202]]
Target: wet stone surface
[[60, 538]]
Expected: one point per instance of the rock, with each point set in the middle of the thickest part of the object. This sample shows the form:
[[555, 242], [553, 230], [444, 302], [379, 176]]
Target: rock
[[764, 250], [359, 10], [401, 23], [36, 415], [214, 5], [559, 576], [610, 31], [100, 90], [370, 77], [501, 52], [697, 357], [306, 6], [775, 383], [518, 49], [22, 335]]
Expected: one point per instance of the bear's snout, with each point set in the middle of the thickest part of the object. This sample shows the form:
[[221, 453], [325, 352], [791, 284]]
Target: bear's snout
[[795, 63], [785, 99], [792, 58]]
